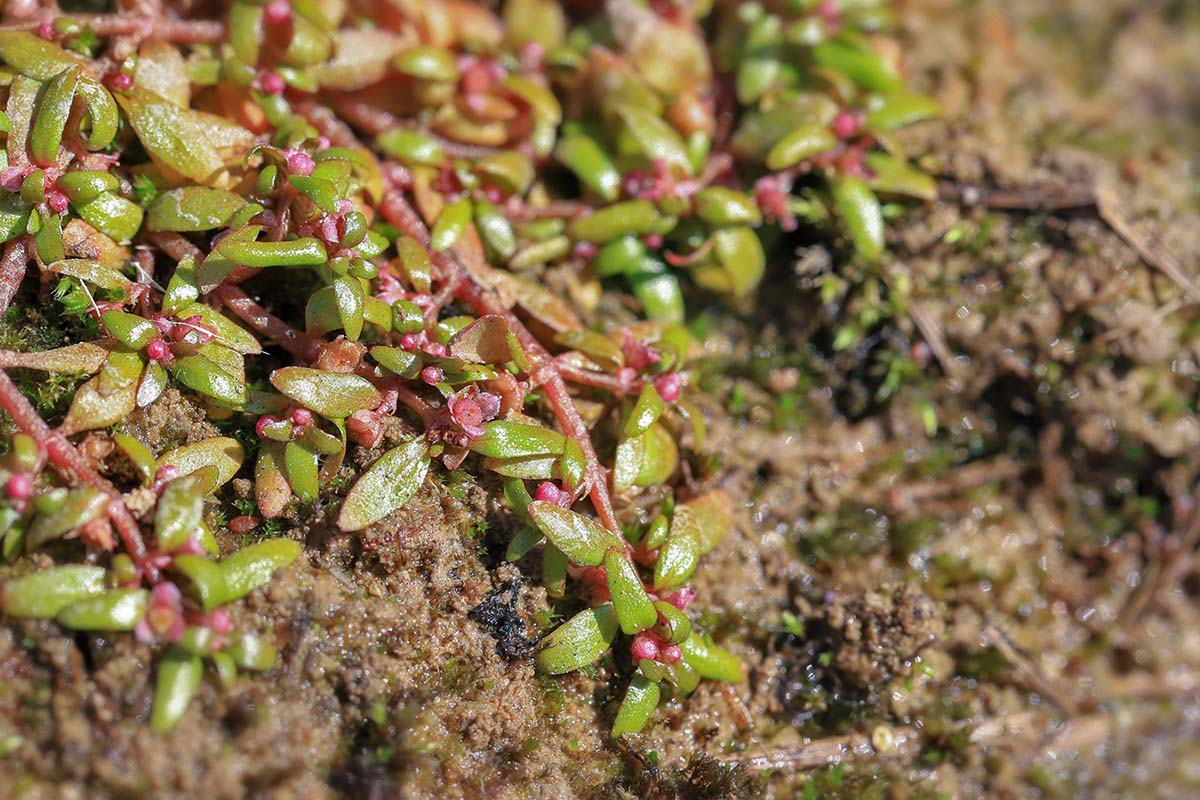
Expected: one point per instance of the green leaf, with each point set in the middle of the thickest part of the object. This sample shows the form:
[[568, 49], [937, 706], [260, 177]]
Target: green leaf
[[711, 661], [641, 698], [801, 143], [179, 509], [677, 559], [179, 674], [895, 110], [583, 156], [892, 175], [193, 208], [646, 411], [656, 138], [35, 57], [581, 538], [303, 252], [221, 453], [201, 374], [579, 641], [333, 395], [503, 439], [658, 290], [51, 119], [386, 485], [206, 580], [253, 566], [229, 333], [859, 209], [115, 610], [302, 466], [660, 456], [861, 65], [171, 135], [348, 292], [451, 223], [635, 609], [43, 594]]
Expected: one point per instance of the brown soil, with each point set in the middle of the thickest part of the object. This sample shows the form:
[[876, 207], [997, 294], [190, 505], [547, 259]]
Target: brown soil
[[986, 563]]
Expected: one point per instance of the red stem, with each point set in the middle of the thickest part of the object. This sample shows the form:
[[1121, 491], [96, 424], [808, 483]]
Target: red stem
[[63, 455], [299, 344], [142, 27]]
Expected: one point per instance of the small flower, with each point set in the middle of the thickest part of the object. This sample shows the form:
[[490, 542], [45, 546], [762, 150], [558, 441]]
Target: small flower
[[771, 194], [669, 385], [644, 647], [164, 617], [299, 162], [158, 350], [469, 408], [638, 354], [277, 12], [846, 124], [301, 417], [19, 489]]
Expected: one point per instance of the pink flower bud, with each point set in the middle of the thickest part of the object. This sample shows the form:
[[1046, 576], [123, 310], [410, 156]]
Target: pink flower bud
[[277, 12], [300, 162], [46, 31], [220, 622], [409, 341], [271, 82], [157, 349], [671, 654], [547, 492], [653, 240], [846, 124], [121, 82], [644, 647], [57, 201], [301, 417], [165, 474], [260, 427], [436, 349], [19, 486], [680, 598], [669, 385], [586, 250], [432, 375]]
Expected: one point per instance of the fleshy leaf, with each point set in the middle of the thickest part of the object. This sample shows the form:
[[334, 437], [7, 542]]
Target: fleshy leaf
[[386, 485]]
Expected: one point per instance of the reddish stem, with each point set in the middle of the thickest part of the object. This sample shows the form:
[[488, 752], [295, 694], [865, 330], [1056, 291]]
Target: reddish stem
[[140, 26], [299, 344], [63, 455]]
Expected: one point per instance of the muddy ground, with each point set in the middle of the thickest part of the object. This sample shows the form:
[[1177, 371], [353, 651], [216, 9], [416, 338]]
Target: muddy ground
[[964, 565]]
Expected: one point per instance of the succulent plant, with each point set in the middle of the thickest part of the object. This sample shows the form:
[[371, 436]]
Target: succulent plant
[[374, 196]]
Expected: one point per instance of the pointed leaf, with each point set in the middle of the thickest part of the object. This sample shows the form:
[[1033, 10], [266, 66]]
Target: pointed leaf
[[387, 485]]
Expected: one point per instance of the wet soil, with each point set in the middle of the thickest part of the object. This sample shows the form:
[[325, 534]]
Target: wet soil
[[963, 564]]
